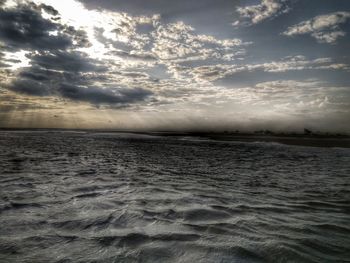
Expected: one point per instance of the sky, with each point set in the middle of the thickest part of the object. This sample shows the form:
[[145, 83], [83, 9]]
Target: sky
[[175, 65]]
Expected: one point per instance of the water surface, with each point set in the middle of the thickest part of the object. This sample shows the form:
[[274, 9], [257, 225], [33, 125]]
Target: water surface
[[99, 197]]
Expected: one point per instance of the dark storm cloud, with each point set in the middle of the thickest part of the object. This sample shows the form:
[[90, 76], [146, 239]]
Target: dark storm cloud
[[2, 61], [71, 75], [60, 65], [49, 69], [36, 81], [73, 86], [52, 64], [79, 36], [24, 27], [30, 87], [66, 61], [56, 70], [3, 65], [35, 76], [96, 95], [6, 62]]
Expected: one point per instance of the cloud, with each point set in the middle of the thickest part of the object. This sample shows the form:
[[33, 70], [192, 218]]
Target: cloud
[[255, 14], [289, 63], [15, 102], [140, 53], [30, 87], [3, 63], [135, 56], [298, 63], [56, 68], [49, 9], [293, 97], [23, 27], [179, 42], [71, 75], [150, 63], [73, 86], [98, 95], [324, 28], [66, 61]]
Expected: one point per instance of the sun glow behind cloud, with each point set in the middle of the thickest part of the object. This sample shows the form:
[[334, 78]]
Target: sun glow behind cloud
[[18, 59], [73, 13]]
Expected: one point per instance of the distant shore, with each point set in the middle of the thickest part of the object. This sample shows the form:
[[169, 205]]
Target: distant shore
[[289, 140], [311, 139], [316, 140]]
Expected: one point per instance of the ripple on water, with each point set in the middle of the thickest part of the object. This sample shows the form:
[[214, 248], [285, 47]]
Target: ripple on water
[[85, 197]]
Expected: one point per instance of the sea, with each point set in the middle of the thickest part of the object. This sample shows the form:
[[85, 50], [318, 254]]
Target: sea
[[77, 196]]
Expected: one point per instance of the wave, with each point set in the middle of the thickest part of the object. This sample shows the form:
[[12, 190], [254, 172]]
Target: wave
[[82, 197]]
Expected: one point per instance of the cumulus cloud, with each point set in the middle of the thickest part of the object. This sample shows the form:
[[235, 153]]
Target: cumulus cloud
[[324, 28], [267, 9], [178, 41]]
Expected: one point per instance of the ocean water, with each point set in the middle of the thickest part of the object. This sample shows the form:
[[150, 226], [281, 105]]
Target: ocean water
[[104, 197]]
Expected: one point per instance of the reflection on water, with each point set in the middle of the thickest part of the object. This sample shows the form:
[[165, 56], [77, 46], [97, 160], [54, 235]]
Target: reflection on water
[[94, 197]]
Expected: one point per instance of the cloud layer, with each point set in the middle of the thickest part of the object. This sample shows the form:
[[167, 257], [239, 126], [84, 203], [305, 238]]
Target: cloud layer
[[104, 62], [177, 60]]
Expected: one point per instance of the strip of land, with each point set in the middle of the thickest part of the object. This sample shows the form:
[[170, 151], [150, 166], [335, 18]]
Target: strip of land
[[302, 139], [314, 140]]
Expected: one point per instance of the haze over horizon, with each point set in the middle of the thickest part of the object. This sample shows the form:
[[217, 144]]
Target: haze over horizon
[[175, 65]]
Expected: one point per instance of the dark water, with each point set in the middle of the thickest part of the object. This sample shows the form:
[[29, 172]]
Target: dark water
[[84, 197]]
